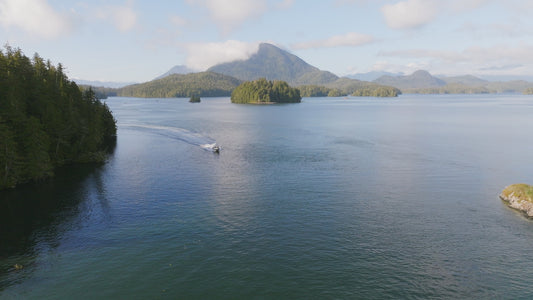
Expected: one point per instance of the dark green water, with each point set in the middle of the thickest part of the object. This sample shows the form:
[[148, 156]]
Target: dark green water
[[331, 198]]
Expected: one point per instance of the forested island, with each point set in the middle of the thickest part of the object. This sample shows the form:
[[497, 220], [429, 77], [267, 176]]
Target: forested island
[[46, 120], [262, 91], [519, 196]]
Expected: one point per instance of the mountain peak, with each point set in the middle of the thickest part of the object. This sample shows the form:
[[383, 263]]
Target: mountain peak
[[421, 73], [179, 69], [419, 79], [274, 63]]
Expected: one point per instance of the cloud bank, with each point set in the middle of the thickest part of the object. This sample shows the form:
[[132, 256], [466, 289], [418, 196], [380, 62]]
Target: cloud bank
[[123, 17], [349, 39], [36, 17], [201, 56], [229, 14], [410, 13]]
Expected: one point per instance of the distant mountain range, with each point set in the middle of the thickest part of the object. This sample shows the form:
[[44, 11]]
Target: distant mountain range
[[373, 75], [108, 84], [273, 63], [419, 79], [269, 62], [423, 82]]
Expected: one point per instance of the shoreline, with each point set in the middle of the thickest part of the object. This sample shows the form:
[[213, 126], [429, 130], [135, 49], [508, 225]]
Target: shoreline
[[516, 197]]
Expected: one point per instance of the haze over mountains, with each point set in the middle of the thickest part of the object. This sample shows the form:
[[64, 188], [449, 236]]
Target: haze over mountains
[[273, 63], [419, 79], [423, 82], [269, 62]]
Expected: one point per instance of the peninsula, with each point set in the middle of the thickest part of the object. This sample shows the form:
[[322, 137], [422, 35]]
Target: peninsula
[[519, 196]]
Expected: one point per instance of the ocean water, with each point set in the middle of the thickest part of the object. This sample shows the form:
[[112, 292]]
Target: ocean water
[[363, 198]]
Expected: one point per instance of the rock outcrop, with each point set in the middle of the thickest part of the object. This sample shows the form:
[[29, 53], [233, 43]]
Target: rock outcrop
[[519, 196]]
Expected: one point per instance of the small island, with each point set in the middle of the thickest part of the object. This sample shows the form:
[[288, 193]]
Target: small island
[[262, 91], [194, 99], [519, 196]]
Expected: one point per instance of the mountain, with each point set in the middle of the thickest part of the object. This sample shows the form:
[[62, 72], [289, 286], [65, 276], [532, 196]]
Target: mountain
[[203, 84], [466, 80], [107, 84], [507, 78], [273, 63], [419, 79], [179, 69], [373, 75]]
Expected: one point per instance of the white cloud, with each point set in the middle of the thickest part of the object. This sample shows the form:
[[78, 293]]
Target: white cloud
[[201, 56], [499, 59], [34, 16], [123, 17], [349, 39], [410, 13], [229, 14]]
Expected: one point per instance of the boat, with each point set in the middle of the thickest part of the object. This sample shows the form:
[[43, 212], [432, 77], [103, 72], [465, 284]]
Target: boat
[[216, 149]]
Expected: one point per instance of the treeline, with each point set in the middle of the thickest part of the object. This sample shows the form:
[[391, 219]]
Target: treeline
[[46, 120], [319, 91], [265, 91], [451, 89], [528, 91], [101, 92], [204, 84], [345, 87], [497, 87]]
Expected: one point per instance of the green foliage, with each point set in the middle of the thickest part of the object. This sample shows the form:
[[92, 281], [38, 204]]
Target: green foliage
[[204, 84], [521, 190], [346, 86], [195, 99], [355, 87], [101, 92], [314, 91], [335, 93], [265, 91], [46, 120], [376, 91], [453, 88], [528, 91]]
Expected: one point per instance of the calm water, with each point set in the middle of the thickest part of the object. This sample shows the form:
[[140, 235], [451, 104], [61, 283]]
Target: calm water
[[331, 198]]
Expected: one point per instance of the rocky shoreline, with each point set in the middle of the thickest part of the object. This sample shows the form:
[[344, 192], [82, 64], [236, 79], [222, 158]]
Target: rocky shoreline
[[518, 196]]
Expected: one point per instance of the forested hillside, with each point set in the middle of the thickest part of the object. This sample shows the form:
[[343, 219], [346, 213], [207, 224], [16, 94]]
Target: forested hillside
[[204, 84], [46, 120]]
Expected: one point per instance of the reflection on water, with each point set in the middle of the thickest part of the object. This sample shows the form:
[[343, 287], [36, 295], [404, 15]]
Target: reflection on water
[[331, 198], [34, 217]]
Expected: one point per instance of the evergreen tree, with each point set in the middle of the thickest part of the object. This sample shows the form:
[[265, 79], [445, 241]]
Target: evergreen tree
[[46, 120], [265, 91]]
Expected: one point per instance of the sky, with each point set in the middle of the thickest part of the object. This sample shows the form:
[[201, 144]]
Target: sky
[[138, 40]]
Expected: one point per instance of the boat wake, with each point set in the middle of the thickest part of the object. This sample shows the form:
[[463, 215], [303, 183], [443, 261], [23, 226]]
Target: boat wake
[[176, 133]]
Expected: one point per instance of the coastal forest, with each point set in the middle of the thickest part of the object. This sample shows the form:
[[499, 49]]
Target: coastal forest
[[46, 120], [203, 84], [265, 91]]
